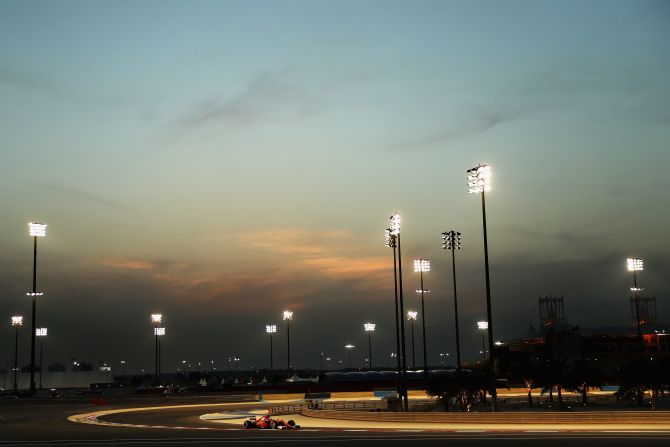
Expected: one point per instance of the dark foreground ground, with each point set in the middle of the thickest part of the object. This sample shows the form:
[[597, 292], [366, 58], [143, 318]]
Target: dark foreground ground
[[43, 422]]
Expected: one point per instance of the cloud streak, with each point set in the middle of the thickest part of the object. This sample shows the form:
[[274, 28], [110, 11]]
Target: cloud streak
[[477, 124], [267, 96], [82, 195]]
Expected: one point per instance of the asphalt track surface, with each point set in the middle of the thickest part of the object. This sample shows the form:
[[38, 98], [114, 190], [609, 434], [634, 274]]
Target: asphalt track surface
[[44, 423]]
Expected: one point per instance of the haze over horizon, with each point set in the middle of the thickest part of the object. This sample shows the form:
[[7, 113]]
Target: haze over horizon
[[221, 161]]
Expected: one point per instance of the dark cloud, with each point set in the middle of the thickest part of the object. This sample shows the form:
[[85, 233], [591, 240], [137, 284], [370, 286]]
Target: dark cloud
[[82, 195], [40, 85], [477, 123], [267, 96]]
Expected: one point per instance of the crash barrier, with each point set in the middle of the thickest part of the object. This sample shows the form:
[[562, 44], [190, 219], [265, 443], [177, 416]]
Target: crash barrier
[[516, 418], [317, 395], [362, 406]]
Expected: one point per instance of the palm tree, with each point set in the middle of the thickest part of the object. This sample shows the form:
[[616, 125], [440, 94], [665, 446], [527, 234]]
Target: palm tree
[[582, 375], [645, 375], [466, 387]]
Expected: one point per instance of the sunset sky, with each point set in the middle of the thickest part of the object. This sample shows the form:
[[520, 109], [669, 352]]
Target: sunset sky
[[221, 161]]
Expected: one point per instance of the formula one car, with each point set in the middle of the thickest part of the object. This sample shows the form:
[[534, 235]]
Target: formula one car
[[267, 421]]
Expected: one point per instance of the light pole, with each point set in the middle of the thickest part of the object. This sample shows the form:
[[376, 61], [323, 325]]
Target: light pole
[[156, 320], [411, 316], [483, 326], [35, 230], [271, 329], [288, 317], [395, 231], [636, 265], [369, 328], [17, 322], [391, 241], [420, 266], [349, 348], [41, 332], [479, 182], [451, 240]]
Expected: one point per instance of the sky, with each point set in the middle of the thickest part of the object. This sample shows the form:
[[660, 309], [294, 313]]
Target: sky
[[222, 161]]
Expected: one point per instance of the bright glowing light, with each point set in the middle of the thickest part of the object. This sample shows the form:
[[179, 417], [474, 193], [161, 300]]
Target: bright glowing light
[[17, 320], [270, 328], [349, 346], [422, 265], [411, 315], [479, 179], [37, 229], [395, 224], [41, 332], [369, 327], [424, 290], [635, 264], [34, 293], [483, 325], [156, 318], [498, 343], [288, 315], [159, 331]]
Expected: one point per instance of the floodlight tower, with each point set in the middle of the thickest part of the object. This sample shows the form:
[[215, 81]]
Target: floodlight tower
[[395, 231], [451, 240], [17, 322], [390, 240], [411, 316], [271, 329], [288, 317], [369, 328], [41, 332], [483, 326], [479, 182], [349, 348], [636, 265], [421, 266], [156, 320], [35, 230]]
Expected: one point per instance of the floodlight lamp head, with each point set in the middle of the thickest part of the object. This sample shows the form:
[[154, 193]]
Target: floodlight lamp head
[[17, 320], [422, 265], [411, 315], [389, 238], [479, 179], [159, 331], [156, 318], [349, 346], [635, 264], [288, 315], [270, 328], [36, 229], [482, 325], [369, 327], [395, 224], [41, 332]]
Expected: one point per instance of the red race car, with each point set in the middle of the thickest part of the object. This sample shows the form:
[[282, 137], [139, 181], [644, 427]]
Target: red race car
[[268, 421]]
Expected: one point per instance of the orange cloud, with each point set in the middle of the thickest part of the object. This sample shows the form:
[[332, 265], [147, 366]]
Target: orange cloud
[[128, 264], [294, 241]]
